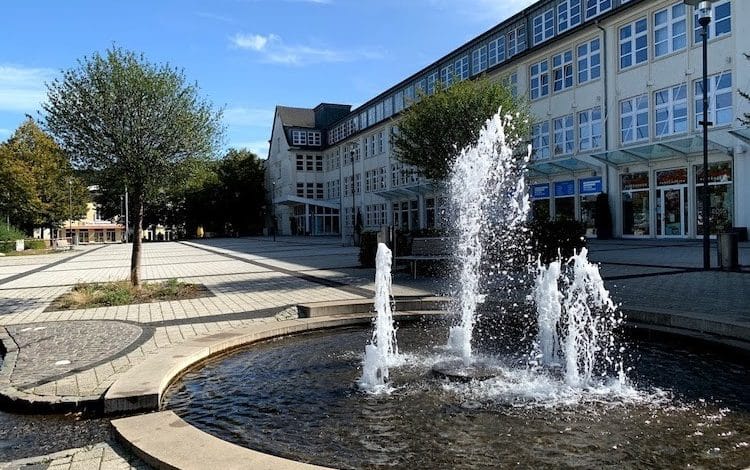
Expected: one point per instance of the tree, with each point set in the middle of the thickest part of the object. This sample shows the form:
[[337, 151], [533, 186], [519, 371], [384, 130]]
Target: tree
[[132, 123], [434, 129], [745, 120], [40, 186], [241, 175]]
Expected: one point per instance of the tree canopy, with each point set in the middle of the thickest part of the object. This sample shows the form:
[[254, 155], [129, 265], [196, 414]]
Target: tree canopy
[[38, 187], [434, 129], [131, 122]]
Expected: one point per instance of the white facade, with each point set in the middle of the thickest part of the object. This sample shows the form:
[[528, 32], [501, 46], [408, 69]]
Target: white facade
[[615, 98]]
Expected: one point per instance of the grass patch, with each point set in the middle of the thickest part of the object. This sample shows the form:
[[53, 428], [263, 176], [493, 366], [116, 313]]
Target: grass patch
[[108, 294]]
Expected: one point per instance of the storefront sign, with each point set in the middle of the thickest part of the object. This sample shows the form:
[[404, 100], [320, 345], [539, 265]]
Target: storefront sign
[[590, 185], [539, 191], [717, 173], [632, 181], [565, 188], [671, 177]]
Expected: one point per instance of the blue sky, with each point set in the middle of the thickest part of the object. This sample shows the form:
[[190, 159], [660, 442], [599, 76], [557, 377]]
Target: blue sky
[[247, 56]]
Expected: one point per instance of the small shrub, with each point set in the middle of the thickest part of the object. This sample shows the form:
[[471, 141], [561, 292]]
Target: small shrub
[[7, 246], [35, 244], [10, 233], [368, 248], [550, 237]]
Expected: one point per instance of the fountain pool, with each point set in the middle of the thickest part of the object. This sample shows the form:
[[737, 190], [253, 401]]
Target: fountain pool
[[297, 397]]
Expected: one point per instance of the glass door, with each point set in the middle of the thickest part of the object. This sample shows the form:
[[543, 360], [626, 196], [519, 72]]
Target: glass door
[[671, 212]]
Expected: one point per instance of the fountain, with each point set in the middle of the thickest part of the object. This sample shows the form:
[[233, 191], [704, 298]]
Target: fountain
[[554, 395], [382, 350]]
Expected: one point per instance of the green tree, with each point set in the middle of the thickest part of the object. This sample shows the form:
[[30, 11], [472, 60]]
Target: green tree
[[434, 129], [242, 192], [41, 189], [132, 123], [745, 120]]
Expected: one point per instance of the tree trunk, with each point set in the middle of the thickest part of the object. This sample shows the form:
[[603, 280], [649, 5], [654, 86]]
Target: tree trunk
[[135, 258]]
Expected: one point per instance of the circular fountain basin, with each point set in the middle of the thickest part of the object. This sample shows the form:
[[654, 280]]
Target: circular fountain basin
[[296, 398], [458, 371]]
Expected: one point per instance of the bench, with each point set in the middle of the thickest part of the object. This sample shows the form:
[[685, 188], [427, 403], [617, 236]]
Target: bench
[[62, 244], [428, 249]]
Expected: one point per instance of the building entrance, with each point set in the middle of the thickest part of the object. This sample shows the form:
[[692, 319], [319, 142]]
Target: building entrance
[[672, 203]]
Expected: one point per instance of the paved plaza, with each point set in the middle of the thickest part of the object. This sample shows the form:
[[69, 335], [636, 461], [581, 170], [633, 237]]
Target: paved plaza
[[68, 358]]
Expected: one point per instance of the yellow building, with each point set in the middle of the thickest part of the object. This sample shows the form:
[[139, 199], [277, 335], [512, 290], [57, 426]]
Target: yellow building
[[92, 228]]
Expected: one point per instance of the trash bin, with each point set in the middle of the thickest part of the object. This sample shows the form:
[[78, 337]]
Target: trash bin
[[728, 247]]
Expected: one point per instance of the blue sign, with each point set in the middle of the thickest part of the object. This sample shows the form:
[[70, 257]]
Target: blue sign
[[565, 188], [539, 191], [590, 185]]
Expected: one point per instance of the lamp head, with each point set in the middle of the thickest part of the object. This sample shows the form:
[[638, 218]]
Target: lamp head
[[704, 9]]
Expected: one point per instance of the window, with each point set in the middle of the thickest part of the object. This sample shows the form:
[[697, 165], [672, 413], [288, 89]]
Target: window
[[313, 138], [318, 162], [358, 183], [461, 68], [388, 107], [381, 141], [590, 129], [511, 81], [398, 104], [540, 140], [300, 189], [564, 135], [372, 145], [568, 14], [309, 163], [479, 60], [634, 43], [634, 119], [300, 162], [544, 26], [562, 71], [670, 30], [597, 7], [589, 61], [409, 95], [431, 81], [347, 185], [516, 40], [670, 110], [371, 116], [299, 138], [319, 191], [721, 22], [496, 51], [539, 80], [446, 76], [719, 99]]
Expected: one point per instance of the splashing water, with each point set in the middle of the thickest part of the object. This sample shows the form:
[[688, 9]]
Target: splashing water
[[576, 323], [382, 351], [488, 198]]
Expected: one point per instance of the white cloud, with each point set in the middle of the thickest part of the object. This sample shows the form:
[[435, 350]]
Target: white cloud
[[258, 147], [272, 49], [254, 42], [485, 11], [22, 89], [249, 117]]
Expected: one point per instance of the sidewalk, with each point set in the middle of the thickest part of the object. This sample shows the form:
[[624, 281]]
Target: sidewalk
[[73, 356]]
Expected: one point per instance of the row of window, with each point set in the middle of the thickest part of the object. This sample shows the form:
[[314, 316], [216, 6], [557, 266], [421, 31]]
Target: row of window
[[309, 162], [333, 189], [559, 138], [374, 144], [669, 33], [668, 112], [310, 190], [587, 59], [376, 215], [304, 137], [561, 16], [670, 109], [375, 180]]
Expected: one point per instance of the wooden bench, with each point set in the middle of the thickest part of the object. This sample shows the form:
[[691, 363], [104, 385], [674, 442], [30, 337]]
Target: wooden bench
[[428, 249]]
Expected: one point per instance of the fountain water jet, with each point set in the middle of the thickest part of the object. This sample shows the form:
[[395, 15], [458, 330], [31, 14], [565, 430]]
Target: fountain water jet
[[488, 199], [382, 350]]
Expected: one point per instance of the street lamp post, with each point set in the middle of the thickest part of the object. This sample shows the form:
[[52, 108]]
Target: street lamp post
[[273, 210], [354, 216], [70, 210], [704, 19]]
